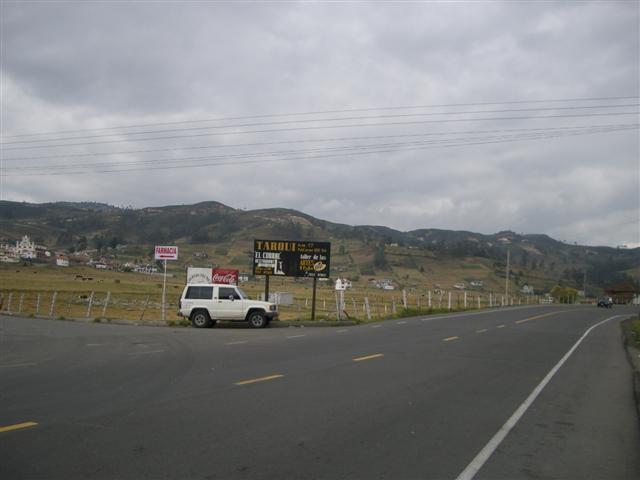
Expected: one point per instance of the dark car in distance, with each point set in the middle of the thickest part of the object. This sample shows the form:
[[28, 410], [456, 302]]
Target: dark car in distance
[[605, 303]]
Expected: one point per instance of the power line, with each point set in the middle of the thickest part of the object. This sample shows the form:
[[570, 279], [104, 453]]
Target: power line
[[314, 140], [524, 136], [334, 119], [319, 112], [324, 127], [270, 160]]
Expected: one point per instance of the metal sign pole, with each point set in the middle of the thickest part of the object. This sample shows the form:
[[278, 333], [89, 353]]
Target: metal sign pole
[[164, 289], [313, 298], [266, 288]]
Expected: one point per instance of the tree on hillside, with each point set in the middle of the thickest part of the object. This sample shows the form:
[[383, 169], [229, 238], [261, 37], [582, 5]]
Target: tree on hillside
[[64, 239], [564, 294], [379, 258], [98, 242]]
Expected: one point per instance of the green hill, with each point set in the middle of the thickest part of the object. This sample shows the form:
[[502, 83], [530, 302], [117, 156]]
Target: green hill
[[213, 233]]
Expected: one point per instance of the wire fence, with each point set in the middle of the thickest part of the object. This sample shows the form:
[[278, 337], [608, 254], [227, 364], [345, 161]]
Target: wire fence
[[87, 305], [331, 305]]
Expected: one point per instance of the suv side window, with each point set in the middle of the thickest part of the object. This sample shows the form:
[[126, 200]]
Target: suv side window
[[225, 292], [199, 293]]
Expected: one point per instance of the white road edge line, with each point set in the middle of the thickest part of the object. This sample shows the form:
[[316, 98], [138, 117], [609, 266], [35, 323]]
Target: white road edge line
[[147, 352], [484, 454], [296, 336], [237, 343]]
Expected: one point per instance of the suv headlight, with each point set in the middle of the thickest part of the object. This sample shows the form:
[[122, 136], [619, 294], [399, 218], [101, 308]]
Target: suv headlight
[[273, 308]]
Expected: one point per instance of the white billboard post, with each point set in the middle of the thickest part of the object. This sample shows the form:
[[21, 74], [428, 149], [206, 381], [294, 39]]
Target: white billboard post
[[165, 253]]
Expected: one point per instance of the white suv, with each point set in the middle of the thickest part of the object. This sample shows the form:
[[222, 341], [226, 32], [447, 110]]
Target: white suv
[[206, 303]]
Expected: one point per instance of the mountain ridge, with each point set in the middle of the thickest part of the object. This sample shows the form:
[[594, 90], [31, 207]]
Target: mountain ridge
[[357, 249]]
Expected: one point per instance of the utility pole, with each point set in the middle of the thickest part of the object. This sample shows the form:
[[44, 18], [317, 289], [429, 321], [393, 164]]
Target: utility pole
[[506, 283]]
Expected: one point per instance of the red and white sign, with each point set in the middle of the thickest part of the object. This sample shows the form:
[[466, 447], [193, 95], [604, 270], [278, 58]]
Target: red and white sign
[[224, 275], [166, 253]]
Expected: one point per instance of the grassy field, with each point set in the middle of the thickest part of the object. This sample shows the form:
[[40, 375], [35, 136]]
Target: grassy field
[[83, 291]]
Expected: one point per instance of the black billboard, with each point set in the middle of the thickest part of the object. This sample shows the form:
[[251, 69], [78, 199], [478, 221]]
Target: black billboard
[[291, 258]]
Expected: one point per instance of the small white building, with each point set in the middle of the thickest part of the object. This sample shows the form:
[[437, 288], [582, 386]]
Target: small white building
[[62, 262], [527, 290]]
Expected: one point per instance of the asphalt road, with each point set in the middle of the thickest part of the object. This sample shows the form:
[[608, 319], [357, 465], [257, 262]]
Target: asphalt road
[[459, 396]]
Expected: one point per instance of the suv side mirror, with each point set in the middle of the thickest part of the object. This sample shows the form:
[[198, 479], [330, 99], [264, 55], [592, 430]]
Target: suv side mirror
[[231, 297]]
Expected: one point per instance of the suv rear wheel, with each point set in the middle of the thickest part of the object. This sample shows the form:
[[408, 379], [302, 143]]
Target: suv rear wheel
[[257, 320], [200, 319]]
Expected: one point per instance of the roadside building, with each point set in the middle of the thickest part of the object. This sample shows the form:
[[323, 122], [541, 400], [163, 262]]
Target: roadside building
[[623, 292], [62, 261], [527, 290]]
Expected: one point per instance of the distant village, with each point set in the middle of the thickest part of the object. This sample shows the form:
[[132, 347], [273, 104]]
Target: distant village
[[26, 249]]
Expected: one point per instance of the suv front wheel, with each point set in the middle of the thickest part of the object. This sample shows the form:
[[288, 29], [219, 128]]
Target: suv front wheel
[[257, 320], [200, 319]]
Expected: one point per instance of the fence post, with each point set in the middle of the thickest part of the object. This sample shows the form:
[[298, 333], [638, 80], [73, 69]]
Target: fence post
[[20, 303], [465, 299], [429, 299], [479, 302], [366, 308], [9, 302], [53, 304], [355, 307], [38, 305], [106, 304], [337, 307], [393, 306], [90, 304], [68, 311], [449, 303], [404, 298], [144, 309]]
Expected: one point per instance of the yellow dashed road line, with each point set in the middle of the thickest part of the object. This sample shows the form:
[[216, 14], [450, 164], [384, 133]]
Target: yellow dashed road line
[[261, 379], [537, 317], [368, 357], [17, 426]]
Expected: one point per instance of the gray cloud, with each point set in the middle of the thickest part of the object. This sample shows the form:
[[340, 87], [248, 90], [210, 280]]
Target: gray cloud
[[94, 65]]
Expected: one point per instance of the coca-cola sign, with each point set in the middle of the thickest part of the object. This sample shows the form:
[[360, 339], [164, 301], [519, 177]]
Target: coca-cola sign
[[224, 275]]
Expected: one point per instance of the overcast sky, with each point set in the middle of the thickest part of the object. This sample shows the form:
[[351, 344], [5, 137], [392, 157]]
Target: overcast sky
[[409, 115]]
